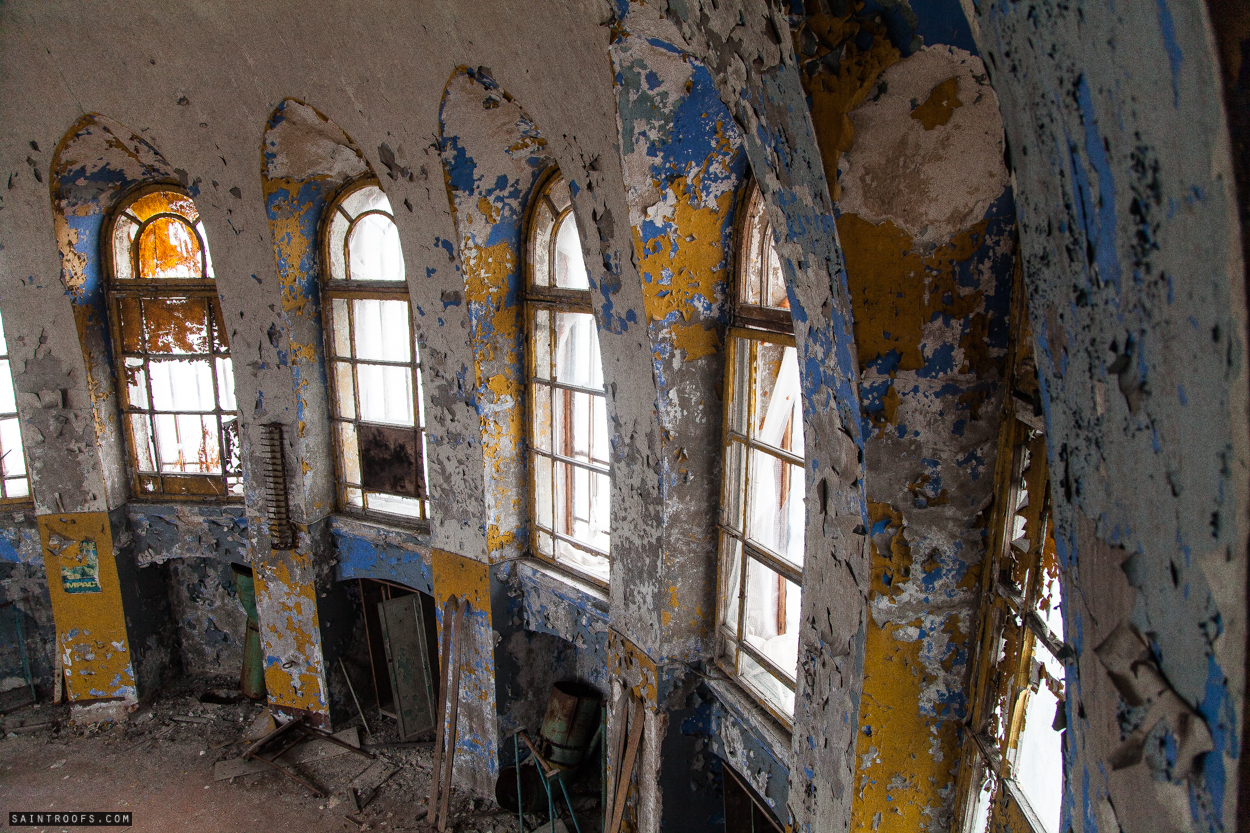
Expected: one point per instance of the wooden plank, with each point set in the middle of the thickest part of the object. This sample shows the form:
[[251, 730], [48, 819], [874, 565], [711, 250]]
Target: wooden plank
[[627, 768], [444, 650], [453, 695], [617, 728], [299, 754]]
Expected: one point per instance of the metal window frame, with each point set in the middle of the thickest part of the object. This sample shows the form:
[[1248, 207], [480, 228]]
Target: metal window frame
[[554, 300], [162, 484], [28, 499], [349, 290]]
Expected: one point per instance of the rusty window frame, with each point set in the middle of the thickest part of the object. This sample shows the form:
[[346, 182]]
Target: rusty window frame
[[226, 485], [753, 324], [1011, 631], [351, 495], [19, 493], [553, 300]]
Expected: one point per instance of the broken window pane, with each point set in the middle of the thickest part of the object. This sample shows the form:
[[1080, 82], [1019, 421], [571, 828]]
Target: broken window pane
[[1038, 769], [570, 267], [169, 247], [389, 460]]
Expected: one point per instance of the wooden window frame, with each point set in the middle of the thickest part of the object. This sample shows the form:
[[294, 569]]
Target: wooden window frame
[[19, 501], [554, 300], [753, 324], [349, 290], [226, 486]]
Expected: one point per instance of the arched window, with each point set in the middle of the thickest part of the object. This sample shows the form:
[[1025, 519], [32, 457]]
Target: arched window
[[571, 479], [176, 383], [375, 370], [762, 492]]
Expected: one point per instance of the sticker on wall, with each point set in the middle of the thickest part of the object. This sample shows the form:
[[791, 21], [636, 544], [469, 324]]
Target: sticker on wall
[[80, 572]]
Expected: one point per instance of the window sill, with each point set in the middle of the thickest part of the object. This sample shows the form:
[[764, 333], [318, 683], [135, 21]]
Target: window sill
[[414, 536], [767, 729], [562, 605]]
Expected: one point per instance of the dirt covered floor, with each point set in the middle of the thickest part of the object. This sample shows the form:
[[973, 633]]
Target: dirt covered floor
[[165, 762]]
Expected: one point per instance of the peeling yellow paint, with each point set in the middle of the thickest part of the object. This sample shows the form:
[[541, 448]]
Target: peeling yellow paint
[[905, 760], [286, 598], [633, 667], [889, 570], [464, 578], [940, 104], [91, 627]]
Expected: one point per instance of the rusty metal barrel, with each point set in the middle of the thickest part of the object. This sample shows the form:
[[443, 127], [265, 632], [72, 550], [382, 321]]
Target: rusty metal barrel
[[571, 720]]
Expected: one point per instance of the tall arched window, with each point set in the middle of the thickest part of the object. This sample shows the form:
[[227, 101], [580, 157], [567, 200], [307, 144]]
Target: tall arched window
[[571, 479], [176, 381], [375, 370], [762, 493]]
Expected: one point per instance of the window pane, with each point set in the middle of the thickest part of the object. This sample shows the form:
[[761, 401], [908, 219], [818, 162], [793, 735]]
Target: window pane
[[350, 452], [16, 488], [774, 279], [771, 624], [8, 401], [984, 797], [577, 350], [740, 379], [734, 485], [385, 394], [176, 325], [373, 250], [395, 505], [540, 400], [123, 234], [542, 344], [188, 443], [345, 391], [355, 497], [543, 220], [225, 385], [13, 463], [776, 506], [367, 198], [336, 236], [170, 248], [763, 683], [599, 439], [730, 581], [591, 564], [569, 269], [571, 424], [382, 330], [182, 385], [1039, 758], [342, 343], [542, 491], [230, 434], [145, 453], [778, 419]]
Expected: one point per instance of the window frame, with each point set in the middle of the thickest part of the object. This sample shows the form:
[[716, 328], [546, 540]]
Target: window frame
[[770, 325], [349, 290], [554, 300], [22, 501], [1010, 625], [142, 289]]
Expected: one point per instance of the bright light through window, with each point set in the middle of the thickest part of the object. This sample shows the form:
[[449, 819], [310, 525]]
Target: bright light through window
[[14, 484]]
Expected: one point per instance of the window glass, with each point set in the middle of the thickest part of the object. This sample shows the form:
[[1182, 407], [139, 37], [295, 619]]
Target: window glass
[[763, 486], [374, 360], [569, 441], [176, 379]]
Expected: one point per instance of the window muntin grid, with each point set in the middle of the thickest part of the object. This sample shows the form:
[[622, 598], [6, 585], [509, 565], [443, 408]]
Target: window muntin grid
[[375, 367], [762, 522], [176, 381], [571, 480], [14, 480]]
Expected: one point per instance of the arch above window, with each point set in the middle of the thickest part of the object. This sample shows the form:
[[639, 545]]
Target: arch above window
[[158, 235]]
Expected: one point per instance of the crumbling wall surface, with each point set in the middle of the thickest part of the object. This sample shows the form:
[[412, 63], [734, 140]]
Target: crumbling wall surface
[[742, 736], [24, 581], [369, 550], [212, 624], [747, 49], [1133, 266], [683, 167], [163, 532], [927, 226], [493, 156]]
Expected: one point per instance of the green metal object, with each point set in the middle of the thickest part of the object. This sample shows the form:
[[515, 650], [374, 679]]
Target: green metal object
[[252, 678]]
